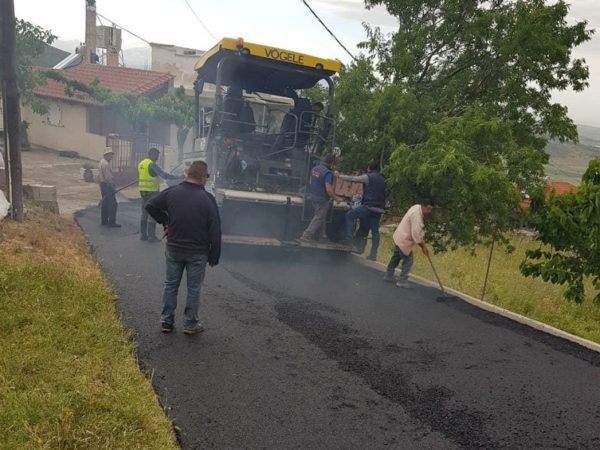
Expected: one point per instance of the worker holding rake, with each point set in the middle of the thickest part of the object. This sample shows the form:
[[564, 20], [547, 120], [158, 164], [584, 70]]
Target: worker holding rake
[[410, 232]]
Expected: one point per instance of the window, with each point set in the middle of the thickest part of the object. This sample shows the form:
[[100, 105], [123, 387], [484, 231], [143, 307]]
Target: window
[[54, 115], [94, 120]]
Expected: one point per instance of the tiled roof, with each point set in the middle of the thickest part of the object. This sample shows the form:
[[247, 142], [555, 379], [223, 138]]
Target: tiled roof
[[560, 187], [120, 80]]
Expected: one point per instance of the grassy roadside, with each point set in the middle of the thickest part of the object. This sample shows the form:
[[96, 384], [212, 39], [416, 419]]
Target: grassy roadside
[[68, 373], [507, 288]]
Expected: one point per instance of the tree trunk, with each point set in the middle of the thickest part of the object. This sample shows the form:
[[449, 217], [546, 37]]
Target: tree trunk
[[12, 114]]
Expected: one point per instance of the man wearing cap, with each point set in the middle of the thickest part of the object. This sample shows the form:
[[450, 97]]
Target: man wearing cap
[[108, 210], [149, 186], [320, 192]]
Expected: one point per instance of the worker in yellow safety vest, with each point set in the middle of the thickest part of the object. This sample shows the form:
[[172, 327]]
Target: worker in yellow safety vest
[[149, 186]]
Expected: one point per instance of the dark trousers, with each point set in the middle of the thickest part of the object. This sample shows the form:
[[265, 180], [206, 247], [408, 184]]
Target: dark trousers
[[407, 262], [108, 210], [368, 220], [147, 223]]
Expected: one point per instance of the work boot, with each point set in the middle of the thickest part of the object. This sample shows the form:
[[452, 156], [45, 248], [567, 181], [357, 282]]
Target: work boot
[[389, 277], [166, 327], [193, 330]]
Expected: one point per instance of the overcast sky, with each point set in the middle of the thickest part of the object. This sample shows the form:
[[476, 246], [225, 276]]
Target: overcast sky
[[282, 23]]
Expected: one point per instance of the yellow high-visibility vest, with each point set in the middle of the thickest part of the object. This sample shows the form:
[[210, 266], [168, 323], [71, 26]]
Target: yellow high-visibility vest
[[147, 183]]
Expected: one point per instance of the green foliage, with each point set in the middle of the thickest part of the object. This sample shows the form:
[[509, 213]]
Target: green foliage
[[464, 166], [317, 93], [174, 107], [456, 104], [31, 41], [570, 225]]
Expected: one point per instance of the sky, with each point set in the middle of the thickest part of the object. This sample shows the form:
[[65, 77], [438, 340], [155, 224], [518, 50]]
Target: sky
[[282, 23]]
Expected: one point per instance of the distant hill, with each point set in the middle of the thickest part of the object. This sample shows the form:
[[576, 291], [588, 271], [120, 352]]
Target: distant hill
[[569, 161]]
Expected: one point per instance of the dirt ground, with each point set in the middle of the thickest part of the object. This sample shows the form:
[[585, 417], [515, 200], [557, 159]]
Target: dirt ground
[[46, 167]]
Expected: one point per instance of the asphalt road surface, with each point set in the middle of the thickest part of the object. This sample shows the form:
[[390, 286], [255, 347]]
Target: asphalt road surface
[[304, 351]]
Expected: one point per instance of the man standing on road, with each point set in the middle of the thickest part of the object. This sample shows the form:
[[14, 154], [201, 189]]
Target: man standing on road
[[409, 233], [190, 218], [320, 191], [108, 210], [149, 186], [371, 207]]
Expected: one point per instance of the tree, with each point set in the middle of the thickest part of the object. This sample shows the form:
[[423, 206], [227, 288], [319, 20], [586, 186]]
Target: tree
[[174, 107], [31, 42], [456, 104], [570, 226]]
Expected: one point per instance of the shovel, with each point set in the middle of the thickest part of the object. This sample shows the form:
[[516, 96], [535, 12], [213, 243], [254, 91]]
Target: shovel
[[118, 190]]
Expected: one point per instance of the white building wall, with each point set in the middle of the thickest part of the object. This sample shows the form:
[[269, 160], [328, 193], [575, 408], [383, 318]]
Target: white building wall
[[64, 128]]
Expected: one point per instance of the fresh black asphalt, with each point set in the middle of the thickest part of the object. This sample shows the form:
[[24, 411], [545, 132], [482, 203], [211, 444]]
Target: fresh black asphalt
[[309, 351]]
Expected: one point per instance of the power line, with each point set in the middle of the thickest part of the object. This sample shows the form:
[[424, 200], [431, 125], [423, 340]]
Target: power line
[[328, 30], [199, 20], [123, 28]]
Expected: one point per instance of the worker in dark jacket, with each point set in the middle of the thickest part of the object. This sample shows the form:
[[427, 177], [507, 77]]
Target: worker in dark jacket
[[371, 207], [320, 192], [190, 218], [149, 186]]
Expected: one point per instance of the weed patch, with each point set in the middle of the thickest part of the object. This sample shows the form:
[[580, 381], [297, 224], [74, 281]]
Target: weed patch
[[68, 373]]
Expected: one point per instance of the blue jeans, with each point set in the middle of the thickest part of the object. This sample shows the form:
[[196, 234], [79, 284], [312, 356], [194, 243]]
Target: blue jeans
[[369, 220], [195, 267], [407, 262]]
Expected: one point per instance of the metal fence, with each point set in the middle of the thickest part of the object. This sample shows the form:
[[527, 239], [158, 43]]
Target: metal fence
[[128, 152]]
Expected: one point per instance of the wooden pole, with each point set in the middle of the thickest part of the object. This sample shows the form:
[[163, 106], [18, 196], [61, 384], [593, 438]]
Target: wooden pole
[[436, 275], [489, 263], [12, 111]]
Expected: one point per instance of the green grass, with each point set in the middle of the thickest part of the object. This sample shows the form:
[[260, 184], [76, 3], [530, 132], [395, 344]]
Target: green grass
[[68, 374], [507, 288]]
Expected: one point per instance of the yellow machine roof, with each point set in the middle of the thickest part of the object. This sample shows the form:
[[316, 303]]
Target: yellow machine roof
[[227, 45]]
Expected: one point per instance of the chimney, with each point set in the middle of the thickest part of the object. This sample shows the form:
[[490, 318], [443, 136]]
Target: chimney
[[90, 32]]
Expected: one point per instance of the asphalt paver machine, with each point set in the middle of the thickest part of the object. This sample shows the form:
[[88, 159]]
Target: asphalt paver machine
[[261, 139]]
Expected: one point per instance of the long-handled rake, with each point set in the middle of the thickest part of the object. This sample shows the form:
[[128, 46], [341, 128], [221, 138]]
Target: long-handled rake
[[444, 295], [118, 190]]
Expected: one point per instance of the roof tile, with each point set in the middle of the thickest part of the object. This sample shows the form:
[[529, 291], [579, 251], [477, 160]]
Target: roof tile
[[120, 80]]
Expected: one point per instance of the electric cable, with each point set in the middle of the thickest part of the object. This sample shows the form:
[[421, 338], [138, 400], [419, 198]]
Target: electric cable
[[328, 30], [123, 28], [199, 20]]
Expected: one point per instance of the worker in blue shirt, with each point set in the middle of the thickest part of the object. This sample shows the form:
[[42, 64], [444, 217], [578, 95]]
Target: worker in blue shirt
[[320, 193]]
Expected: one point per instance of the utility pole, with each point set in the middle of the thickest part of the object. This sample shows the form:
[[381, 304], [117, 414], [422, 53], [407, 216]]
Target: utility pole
[[90, 32], [12, 114]]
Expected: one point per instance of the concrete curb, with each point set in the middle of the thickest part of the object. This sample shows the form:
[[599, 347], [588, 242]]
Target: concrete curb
[[489, 307]]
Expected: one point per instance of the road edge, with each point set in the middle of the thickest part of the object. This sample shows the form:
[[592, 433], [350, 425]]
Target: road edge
[[540, 326]]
